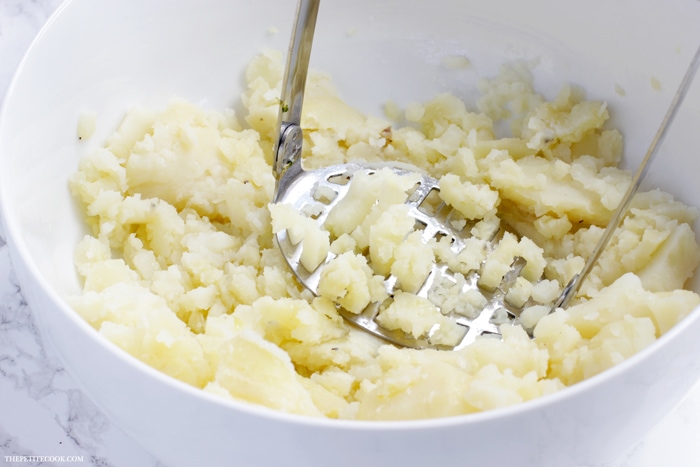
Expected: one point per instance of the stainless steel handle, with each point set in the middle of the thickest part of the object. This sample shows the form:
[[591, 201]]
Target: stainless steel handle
[[287, 149], [575, 283]]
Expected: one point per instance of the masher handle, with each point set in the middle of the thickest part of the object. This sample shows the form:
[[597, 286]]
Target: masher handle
[[575, 283], [288, 147]]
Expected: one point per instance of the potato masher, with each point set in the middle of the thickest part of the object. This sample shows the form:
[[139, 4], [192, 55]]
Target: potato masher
[[297, 187]]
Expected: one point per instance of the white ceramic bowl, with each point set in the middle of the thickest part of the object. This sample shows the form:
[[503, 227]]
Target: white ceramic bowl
[[109, 55]]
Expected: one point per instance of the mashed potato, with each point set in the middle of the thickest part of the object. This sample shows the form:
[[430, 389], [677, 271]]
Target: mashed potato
[[181, 270]]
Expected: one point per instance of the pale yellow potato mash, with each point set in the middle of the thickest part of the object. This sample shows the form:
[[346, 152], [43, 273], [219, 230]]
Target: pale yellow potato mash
[[181, 270]]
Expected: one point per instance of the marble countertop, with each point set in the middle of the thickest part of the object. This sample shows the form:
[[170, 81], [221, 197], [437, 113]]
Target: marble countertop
[[44, 413]]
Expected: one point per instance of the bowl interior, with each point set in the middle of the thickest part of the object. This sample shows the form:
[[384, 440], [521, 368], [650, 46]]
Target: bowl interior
[[375, 51]]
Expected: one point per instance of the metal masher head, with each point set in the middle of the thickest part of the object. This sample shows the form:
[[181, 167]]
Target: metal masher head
[[299, 189]]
